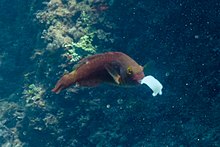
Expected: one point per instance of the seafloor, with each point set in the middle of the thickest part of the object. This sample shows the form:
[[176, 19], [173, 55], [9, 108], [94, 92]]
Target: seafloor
[[178, 42]]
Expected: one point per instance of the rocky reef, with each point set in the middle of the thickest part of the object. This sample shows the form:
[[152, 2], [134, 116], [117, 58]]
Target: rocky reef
[[176, 41], [74, 27]]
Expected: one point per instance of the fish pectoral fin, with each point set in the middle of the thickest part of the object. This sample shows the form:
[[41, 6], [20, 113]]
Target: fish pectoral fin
[[113, 73]]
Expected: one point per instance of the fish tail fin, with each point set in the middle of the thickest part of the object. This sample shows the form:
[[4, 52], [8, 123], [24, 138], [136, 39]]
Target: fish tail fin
[[58, 88], [66, 81]]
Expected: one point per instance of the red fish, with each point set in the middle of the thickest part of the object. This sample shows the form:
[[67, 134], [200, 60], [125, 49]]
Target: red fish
[[111, 67]]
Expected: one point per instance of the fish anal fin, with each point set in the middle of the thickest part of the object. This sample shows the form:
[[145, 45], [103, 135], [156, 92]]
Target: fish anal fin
[[89, 83]]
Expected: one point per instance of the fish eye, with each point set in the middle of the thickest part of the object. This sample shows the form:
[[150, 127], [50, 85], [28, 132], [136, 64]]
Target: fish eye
[[129, 70]]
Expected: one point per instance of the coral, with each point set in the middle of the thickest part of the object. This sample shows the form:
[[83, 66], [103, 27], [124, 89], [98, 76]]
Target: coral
[[76, 50], [11, 115], [70, 26], [33, 95]]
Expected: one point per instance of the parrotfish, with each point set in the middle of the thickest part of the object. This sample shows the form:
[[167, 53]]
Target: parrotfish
[[110, 67]]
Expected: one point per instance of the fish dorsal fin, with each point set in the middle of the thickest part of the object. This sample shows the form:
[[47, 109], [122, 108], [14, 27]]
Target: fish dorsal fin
[[114, 70], [85, 60]]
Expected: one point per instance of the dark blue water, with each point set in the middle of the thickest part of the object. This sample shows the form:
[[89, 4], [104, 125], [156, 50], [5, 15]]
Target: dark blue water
[[178, 42]]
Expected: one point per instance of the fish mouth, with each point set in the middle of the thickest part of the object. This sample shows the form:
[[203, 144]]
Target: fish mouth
[[138, 76]]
